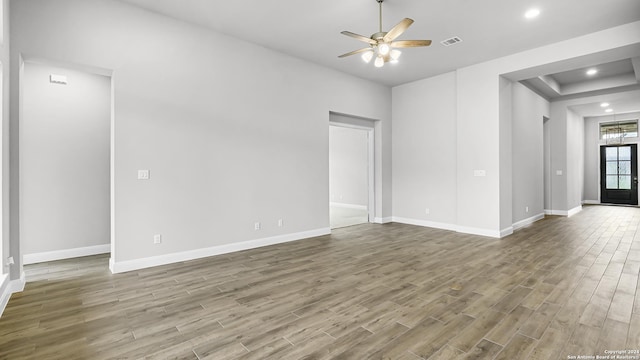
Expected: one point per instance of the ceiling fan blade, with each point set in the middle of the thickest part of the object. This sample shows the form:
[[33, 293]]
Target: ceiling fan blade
[[410, 43], [397, 30], [359, 37], [355, 52]]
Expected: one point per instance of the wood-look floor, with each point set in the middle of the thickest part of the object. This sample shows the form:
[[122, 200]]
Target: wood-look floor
[[561, 287]]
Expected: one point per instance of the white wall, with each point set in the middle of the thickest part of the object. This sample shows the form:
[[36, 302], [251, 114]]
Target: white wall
[[529, 109], [348, 166], [424, 151], [575, 156], [64, 158], [229, 140], [558, 158], [571, 154], [483, 204], [506, 155], [7, 273], [592, 142]]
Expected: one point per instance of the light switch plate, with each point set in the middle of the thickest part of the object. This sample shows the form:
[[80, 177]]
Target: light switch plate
[[559, 172], [143, 174], [479, 173]]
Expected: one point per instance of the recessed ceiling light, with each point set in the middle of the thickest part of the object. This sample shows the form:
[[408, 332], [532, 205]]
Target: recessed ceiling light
[[605, 104], [608, 110], [592, 72], [532, 13]]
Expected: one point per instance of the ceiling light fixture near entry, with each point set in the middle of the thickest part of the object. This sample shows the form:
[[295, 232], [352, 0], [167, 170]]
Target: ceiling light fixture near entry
[[532, 13], [608, 110], [604, 104], [592, 72]]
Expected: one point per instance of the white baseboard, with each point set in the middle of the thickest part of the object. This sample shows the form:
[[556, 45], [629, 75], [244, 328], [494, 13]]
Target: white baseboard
[[8, 287], [568, 213], [506, 232], [452, 227], [591, 202], [130, 265], [348, 206], [483, 232], [65, 254], [384, 220], [574, 211], [528, 221], [4, 292], [425, 223]]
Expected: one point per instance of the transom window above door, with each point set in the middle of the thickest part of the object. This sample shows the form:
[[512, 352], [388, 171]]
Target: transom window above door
[[618, 129]]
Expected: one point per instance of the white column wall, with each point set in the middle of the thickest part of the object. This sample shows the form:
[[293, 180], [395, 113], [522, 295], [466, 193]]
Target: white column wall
[[229, 141]]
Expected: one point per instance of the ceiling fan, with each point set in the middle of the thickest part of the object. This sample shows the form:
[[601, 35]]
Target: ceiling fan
[[383, 45]]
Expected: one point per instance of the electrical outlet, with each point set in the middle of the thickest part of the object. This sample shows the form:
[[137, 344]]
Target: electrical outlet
[[256, 226], [427, 211], [526, 209], [143, 175], [280, 223], [157, 239]]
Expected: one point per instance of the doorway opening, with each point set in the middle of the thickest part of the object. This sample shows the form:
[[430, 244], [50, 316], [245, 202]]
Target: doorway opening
[[350, 175], [65, 135], [619, 174]]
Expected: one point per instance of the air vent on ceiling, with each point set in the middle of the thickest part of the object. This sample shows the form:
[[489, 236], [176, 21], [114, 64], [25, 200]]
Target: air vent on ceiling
[[451, 41], [58, 79]]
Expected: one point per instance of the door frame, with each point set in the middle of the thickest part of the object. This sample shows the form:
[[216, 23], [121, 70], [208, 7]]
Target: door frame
[[17, 159], [370, 164], [634, 166]]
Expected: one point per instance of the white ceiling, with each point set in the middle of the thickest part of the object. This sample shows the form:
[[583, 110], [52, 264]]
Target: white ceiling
[[607, 70], [489, 29], [611, 77], [619, 103]]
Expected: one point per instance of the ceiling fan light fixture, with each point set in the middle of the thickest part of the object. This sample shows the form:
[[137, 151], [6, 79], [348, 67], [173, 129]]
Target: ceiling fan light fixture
[[379, 61], [367, 56], [382, 44], [383, 49]]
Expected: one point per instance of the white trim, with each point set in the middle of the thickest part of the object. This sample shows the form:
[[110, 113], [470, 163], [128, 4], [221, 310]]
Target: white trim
[[574, 211], [10, 287], [425, 223], [348, 206], [591, 202], [569, 213], [452, 227], [66, 254], [482, 232], [522, 223], [130, 265], [506, 232], [384, 220], [4, 292]]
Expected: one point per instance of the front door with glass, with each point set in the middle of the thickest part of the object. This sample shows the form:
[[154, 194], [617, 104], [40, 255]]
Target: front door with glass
[[618, 175]]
